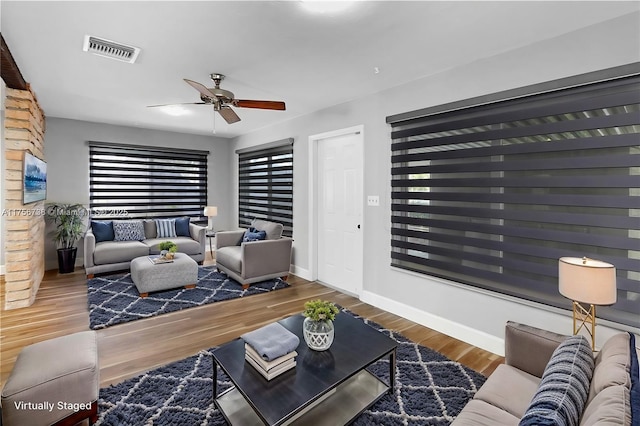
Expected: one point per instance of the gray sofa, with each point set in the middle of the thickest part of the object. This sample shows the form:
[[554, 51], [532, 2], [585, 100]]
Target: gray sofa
[[109, 256], [254, 261], [514, 394]]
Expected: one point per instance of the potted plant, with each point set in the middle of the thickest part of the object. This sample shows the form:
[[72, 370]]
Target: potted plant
[[69, 223], [318, 330], [168, 249]]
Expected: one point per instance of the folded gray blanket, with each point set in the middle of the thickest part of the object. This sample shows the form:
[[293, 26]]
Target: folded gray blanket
[[272, 341]]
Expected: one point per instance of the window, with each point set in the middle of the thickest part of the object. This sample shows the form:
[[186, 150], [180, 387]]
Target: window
[[493, 195], [143, 182], [266, 185]]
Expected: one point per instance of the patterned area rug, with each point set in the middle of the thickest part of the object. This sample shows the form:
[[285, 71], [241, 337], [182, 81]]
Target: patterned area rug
[[430, 390], [115, 299]]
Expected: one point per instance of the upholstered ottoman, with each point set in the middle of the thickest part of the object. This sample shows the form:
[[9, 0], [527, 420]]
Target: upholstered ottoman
[[54, 382], [148, 276]]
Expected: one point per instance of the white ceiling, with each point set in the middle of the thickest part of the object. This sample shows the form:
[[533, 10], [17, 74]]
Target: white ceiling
[[270, 50]]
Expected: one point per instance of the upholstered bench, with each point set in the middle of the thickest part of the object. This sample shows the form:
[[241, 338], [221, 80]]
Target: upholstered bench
[[148, 277], [54, 382]]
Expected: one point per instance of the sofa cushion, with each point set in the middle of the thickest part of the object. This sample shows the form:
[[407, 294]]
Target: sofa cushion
[[128, 230], [252, 234], [609, 408], [102, 230], [185, 245], [564, 387], [480, 413], [150, 229], [118, 251], [529, 348], [182, 227], [166, 228], [273, 230], [231, 257], [509, 389], [612, 365]]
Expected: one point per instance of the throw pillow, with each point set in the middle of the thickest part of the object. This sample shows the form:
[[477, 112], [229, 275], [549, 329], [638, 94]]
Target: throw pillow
[[563, 390], [166, 228], [252, 234], [128, 230], [182, 227], [102, 230]]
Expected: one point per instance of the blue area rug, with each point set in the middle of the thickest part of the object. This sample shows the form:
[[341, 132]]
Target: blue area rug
[[115, 299], [430, 390]]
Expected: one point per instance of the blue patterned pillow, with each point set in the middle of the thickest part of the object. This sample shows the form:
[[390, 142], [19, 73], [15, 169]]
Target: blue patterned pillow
[[252, 234], [564, 387], [166, 228], [128, 230]]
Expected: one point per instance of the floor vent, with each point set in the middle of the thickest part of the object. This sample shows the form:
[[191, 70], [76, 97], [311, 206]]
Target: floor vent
[[110, 49]]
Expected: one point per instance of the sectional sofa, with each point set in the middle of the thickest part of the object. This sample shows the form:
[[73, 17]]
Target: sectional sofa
[[551, 379], [107, 251]]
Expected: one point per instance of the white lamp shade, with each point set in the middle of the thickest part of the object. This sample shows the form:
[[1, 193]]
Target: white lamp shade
[[587, 280], [210, 211]]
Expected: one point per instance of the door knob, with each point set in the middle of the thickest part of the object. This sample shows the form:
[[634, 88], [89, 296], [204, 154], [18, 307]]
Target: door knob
[[358, 226]]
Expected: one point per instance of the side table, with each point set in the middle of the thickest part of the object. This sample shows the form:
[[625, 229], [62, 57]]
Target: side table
[[210, 235]]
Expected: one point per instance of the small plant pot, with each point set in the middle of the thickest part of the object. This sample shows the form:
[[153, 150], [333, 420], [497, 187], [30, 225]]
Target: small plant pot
[[318, 334]]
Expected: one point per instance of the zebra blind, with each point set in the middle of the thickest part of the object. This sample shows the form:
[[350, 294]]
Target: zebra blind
[[146, 182], [492, 196], [266, 186]]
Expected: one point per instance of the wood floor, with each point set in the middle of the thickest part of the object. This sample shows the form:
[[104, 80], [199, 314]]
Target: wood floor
[[129, 349]]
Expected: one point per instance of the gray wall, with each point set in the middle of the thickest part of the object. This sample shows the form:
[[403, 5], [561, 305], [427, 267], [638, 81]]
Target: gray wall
[[67, 155], [475, 316]]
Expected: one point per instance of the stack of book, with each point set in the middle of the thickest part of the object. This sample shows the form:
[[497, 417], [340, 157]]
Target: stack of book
[[273, 368]]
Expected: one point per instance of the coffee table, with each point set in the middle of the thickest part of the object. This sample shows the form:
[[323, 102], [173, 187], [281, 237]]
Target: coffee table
[[325, 388]]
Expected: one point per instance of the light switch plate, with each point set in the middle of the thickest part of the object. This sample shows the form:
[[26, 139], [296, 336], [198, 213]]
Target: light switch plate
[[373, 200]]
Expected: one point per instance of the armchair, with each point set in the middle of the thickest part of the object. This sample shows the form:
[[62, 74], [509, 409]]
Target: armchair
[[255, 261]]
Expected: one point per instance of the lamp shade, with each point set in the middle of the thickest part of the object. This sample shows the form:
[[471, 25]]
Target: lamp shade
[[587, 280], [210, 211]]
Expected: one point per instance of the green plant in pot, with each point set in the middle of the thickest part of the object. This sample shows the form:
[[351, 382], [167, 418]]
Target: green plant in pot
[[69, 222], [317, 329], [168, 249]]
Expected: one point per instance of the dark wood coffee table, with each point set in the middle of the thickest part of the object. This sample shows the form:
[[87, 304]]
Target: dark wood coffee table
[[325, 388]]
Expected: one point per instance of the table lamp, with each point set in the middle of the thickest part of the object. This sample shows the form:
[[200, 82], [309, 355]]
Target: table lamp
[[590, 282], [210, 212]]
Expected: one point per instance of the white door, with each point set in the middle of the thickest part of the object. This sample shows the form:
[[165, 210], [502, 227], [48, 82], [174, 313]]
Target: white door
[[339, 211]]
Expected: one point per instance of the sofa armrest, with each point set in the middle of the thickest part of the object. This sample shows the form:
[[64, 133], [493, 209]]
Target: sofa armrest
[[89, 248], [198, 233], [229, 238], [529, 348], [266, 257]]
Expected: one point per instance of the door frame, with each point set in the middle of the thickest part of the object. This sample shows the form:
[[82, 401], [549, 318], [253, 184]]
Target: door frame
[[314, 140]]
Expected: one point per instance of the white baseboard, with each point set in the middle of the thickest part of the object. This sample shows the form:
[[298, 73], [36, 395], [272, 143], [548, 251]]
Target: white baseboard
[[1, 269], [301, 272], [461, 332]]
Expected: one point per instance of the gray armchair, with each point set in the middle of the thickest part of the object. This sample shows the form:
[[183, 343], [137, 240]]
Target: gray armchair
[[255, 261]]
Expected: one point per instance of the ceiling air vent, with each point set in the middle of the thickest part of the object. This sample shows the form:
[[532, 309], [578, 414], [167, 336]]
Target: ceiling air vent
[[110, 49]]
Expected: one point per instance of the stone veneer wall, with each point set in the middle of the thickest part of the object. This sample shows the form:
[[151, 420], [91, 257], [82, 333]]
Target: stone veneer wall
[[24, 128]]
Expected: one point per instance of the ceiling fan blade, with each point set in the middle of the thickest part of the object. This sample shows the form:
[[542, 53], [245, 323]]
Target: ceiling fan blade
[[228, 114], [186, 103], [200, 88], [244, 103]]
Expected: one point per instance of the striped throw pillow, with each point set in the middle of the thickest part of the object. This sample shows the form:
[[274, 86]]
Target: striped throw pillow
[[564, 388], [166, 228]]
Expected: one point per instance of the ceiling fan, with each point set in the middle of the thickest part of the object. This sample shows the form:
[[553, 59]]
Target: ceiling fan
[[222, 100]]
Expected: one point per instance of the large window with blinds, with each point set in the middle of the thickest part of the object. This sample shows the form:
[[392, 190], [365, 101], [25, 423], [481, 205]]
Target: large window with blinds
[[128, 181], [266, 185], [493, 195]]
